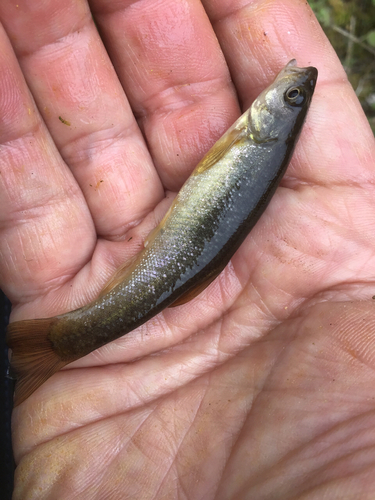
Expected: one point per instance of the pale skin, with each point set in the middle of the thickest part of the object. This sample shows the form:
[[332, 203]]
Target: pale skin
[[263, 387]]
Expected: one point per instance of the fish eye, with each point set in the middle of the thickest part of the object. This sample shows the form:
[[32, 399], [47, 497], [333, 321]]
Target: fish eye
[[295, 96]]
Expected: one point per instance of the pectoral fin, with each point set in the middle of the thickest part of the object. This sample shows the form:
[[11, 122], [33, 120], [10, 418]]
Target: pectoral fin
[[220, 148]]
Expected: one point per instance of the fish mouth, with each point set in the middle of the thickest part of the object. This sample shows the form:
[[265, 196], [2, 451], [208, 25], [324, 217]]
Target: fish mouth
[[306, 77], [311, 77], [311, 71]]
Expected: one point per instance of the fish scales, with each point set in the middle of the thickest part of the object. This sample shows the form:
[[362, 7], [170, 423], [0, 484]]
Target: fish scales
[[209, 219], [192, 240]]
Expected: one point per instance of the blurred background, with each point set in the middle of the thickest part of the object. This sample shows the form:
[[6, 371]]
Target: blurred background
[[350, 27]]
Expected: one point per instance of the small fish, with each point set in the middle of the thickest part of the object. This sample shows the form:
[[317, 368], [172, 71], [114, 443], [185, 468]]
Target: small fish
[[209, 219]]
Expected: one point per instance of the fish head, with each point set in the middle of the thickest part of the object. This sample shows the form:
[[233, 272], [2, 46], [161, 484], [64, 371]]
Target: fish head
[[279, 110]]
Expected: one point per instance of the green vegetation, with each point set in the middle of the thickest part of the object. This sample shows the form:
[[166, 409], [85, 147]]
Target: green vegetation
[[350, 27]]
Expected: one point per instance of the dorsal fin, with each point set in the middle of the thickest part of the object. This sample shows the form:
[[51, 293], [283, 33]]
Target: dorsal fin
[[123, 270]]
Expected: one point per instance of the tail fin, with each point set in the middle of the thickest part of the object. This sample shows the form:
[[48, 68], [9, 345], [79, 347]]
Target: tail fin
[[32, 357]]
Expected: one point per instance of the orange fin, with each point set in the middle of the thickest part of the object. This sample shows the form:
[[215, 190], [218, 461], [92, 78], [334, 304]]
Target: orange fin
[[32, 357], [118, 276], [194, 292], [221, 147]]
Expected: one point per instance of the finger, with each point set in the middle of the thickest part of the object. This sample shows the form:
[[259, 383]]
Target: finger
[[85, 109], [325, 217], [42, 211], [257, 39], [172, 68]]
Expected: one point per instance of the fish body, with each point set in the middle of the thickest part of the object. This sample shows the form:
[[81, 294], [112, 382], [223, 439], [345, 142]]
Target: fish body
[[211, 216]]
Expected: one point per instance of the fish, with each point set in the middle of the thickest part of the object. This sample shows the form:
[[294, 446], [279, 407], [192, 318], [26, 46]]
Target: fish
[[209, 219]]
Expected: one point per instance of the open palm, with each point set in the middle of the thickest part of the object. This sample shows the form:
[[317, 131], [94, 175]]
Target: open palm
[[263, 386]]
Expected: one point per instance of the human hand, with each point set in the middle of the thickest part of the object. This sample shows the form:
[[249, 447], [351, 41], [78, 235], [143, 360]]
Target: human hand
[[261, 387]]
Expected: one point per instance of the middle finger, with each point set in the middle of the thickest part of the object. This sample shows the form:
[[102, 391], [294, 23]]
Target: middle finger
[[171, 66], [85, 108]]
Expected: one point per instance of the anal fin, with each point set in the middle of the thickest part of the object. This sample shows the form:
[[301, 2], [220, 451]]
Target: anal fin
[[194, 292]]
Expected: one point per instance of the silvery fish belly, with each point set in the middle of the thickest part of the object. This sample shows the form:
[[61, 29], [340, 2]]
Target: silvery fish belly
[[207, 222]]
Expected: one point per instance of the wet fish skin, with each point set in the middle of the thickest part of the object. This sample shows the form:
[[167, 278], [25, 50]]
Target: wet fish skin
[[209, 219]]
